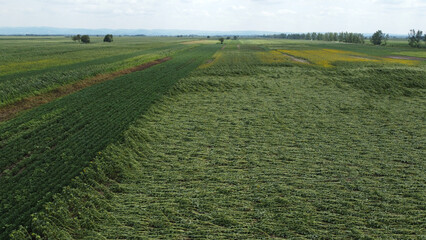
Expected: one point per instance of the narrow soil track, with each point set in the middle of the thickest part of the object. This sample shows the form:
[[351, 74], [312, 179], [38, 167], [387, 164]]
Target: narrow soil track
[[9, 111], [407, 58], [359, 57], [296, 59]]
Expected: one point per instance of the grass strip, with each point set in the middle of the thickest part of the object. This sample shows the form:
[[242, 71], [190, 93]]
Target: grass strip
[[9, 111]]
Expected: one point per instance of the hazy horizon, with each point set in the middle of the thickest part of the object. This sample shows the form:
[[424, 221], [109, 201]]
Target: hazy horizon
[[391, 16]]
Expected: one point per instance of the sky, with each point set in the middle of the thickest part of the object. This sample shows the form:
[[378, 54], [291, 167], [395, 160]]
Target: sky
[[364, 16]]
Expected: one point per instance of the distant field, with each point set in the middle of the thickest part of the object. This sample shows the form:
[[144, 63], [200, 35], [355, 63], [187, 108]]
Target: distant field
[[255, 139], [31, 67], [421, 54]]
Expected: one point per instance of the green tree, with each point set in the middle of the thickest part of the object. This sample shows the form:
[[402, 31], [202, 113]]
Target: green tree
[[76, 38], [385, 40], [360, 38], [340, 37], [378, 38], [108, 38], [414, 38], [235, 37], [308, 36], [85, 39], [221, 40], [335, 37]]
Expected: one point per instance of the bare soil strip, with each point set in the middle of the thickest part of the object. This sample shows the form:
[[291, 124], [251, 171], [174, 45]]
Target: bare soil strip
[[9, 111], [359, 57], [296, 59], [406, 58]]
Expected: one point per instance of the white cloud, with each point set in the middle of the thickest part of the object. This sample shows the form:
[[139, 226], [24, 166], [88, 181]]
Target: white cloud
[[286, 11], [393, 16]]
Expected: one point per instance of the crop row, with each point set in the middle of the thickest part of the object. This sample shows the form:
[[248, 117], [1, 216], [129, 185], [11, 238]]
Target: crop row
[[44, 149], [233, 59], [24, 83]]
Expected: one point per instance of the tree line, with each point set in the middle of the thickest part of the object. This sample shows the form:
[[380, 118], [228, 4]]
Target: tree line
[[378, 38], [347, 37]]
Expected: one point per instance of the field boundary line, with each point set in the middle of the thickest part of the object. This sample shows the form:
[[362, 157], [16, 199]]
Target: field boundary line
[[10, 111], [299, 60]]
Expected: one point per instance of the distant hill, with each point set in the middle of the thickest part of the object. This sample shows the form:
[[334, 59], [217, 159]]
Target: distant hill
[[152, 32]]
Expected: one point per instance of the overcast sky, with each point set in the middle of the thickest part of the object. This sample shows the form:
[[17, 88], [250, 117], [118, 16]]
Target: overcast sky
[[391, 16]]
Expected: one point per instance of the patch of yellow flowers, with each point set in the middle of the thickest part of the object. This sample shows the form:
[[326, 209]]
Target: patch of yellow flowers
[[272, 57], [325, 57], [212, 61], [16, 67]]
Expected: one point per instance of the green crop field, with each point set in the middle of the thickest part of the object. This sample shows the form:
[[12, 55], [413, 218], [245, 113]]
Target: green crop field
[[33, 66], [256, 138]]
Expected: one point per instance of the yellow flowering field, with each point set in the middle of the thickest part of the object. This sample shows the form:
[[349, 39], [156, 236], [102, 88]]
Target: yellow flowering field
[[272, 57], [326, 57]]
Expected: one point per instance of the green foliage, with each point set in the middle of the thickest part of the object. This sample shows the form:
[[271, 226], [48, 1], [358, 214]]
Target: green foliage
[[235, 61], [32, 67], [414, 38], [290, 152], [76, 38], [221, 40], [44, 149], [85, 39], [329, 36], [392, 81], [379, 38], [108, 38], [81, 206], [350, 37], [237, 150]]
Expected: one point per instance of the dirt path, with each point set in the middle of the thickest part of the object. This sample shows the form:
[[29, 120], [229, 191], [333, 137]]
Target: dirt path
[[359, 57], [406, 58], [9, 111], [296, 59]]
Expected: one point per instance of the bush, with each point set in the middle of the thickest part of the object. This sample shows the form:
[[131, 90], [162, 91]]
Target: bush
[[379, 38], [108, 38], [85, 39], [76, 38], [414, 38]]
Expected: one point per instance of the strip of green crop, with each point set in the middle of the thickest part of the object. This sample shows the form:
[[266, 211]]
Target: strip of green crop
[[43, 149], [16, 86], [288, 151]]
